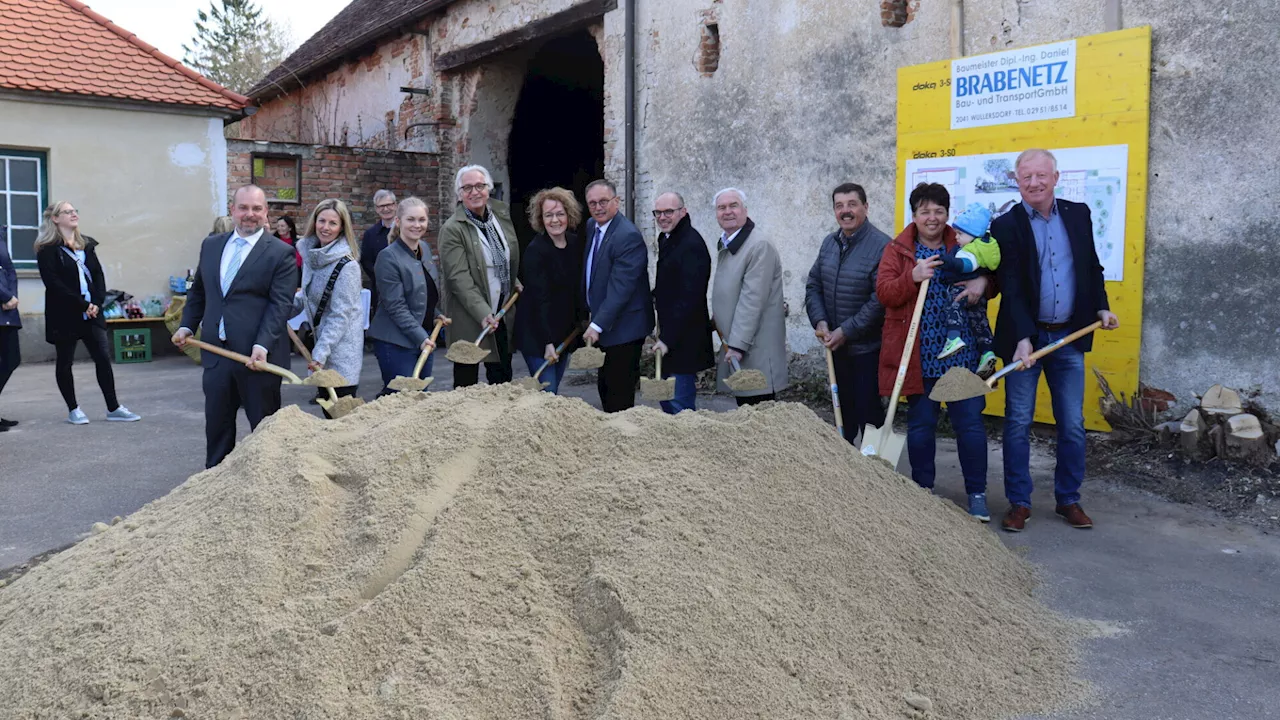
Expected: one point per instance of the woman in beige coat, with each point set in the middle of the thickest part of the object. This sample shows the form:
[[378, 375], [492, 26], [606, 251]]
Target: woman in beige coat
[[746, 300]]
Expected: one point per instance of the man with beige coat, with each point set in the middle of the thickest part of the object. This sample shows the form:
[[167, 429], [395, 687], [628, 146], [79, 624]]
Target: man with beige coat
[[746, 300]]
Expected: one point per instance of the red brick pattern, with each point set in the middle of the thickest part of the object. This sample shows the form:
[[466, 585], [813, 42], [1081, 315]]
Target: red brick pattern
[[896, 13], [62, 46], [352, 175]]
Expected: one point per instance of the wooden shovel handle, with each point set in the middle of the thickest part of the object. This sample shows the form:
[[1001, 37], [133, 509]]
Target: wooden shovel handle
[[297, 343], [233, 355], [906, 354], [502, 311], [835, 392], [422, 358], [1051, 347], [559, 349]]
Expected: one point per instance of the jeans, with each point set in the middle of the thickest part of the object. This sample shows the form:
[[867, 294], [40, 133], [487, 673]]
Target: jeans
[[686, 397], [971, 438], [95, 340], [553, 374], [396, 361], [1064, 373]]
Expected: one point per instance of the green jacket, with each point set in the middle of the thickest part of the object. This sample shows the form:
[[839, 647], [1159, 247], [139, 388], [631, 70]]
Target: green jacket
[[986, 251], [465, 291]]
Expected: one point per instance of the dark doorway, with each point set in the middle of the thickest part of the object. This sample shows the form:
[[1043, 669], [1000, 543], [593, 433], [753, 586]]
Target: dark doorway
[[557, 133]]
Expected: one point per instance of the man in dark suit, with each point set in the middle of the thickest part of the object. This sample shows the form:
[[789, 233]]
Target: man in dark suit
[[680, 298], [616, 285], [1052, 285], [243, 296]]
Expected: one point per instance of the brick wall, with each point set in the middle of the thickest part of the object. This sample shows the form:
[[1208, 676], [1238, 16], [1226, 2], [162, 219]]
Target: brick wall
[[352, 175]]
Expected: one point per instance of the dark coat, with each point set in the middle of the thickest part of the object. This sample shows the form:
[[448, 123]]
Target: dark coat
[[620, 301], [841, 290], [1019, 276], [551, 305], [374, 241], [257, 305], [680, 298], [8, 287], [64, 306]]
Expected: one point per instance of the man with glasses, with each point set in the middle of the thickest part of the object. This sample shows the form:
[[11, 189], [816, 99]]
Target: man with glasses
[[616, 285], [680, 298], [375, 240], [840, 297]]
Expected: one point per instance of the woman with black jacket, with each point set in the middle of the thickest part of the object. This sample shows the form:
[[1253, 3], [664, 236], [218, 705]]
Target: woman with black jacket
[[74, 290], [551, 305]]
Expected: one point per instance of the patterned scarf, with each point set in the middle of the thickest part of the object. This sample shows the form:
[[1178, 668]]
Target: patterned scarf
[[498, 249]]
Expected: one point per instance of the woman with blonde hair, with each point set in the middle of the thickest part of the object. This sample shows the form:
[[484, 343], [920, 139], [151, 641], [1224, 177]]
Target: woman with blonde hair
[[408, 296], [551, 305], [330, 293], [74, 290], [223, 224]]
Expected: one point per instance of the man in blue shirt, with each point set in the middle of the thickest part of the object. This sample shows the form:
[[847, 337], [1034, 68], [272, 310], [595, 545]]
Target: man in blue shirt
[[1052, 285]]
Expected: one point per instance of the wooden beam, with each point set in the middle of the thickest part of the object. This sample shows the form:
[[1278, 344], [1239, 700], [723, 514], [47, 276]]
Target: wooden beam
[[573, 18]]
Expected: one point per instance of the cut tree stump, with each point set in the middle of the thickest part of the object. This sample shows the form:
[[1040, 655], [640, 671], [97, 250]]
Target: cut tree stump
[[1193, 436], [1170, 432], [1246, 441], [1219, 400]]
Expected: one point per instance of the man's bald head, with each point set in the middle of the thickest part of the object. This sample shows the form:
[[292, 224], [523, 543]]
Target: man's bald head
[[249, 209], [668, 210]]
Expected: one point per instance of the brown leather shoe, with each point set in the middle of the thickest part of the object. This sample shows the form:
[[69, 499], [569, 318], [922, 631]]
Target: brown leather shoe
[[1074, 515], [1016, 519]]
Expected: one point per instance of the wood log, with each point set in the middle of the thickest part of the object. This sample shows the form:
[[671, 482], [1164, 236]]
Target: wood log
[[1193, 436], [1217, 441], [1169, 433], [1219, 400], [1246, 441]]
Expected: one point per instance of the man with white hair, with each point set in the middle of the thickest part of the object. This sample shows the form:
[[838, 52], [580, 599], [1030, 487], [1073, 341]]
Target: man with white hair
[[746, 300], [375, 240], [479, 258], [1052, 285]]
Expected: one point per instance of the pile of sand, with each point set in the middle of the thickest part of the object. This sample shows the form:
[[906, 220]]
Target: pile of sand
[[495, 553]]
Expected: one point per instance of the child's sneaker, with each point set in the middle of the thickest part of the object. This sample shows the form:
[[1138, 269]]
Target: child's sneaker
[[953, 346], [987, 365]]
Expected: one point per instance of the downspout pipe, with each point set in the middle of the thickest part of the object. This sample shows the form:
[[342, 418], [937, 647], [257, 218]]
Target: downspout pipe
[[957, 28], [629, 131]]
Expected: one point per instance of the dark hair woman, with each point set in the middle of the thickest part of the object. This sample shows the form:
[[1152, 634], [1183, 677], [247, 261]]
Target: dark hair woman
[[74, 290], [909, 260], [287, 231], [551, 304]]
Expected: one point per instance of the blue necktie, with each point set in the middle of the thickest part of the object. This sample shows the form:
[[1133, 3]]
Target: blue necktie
[[237, 257], [591, 263]]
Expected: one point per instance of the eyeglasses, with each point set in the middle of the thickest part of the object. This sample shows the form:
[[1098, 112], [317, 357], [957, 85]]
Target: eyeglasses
[[386, 206], [600, 203], [476, 188], [68, 211], [666, 213], [554, 216]]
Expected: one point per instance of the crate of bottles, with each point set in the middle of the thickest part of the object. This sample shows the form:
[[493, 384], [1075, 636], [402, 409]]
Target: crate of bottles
[[132, 345]]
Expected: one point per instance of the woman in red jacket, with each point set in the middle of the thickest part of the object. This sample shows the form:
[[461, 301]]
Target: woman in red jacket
[[911, 258]]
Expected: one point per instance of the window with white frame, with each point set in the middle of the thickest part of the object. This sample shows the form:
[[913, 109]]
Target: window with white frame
[[23, 195]]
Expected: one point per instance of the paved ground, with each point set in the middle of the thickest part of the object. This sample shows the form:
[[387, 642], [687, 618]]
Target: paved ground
[[1190, 600]]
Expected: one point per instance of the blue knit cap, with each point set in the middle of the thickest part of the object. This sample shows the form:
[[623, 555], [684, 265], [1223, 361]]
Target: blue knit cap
[[975, 220]]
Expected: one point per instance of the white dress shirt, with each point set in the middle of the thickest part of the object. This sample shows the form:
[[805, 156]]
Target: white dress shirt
[[591, 262], [228, 250]]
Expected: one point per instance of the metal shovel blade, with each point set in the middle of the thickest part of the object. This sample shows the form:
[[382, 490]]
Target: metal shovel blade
[[342, 406], [466, 353], [959, 384], [587, 358], [655, 389], [883, 443], [409, 384]]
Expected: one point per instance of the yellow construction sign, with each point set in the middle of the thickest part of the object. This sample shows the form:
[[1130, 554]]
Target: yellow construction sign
[[962, 122]]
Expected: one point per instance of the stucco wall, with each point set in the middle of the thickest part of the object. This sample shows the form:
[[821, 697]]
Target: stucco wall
[[148, 186]]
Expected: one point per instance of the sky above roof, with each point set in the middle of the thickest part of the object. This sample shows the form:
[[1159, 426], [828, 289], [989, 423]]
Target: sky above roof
[[168, 24]]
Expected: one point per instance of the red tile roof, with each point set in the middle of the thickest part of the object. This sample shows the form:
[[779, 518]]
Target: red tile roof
[[62, 46]]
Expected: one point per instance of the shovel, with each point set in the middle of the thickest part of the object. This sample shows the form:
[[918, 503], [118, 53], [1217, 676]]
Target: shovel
[[742, 380], [961, 384], [882, 442], [587, 358], [414, 384], [335, 406], [532, 383], [288, 375], [835, 389], [465, 353], [657, 388]]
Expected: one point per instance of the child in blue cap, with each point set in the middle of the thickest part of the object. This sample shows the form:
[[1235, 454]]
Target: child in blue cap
[[976, 250]]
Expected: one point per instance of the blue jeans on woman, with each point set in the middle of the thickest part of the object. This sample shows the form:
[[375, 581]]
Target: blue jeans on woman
[[1064, 373], [553, 374], [686, 396], [971, 438], [396, 361]]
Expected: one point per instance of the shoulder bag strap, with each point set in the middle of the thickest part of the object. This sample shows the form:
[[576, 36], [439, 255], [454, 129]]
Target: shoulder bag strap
[[328, 291]]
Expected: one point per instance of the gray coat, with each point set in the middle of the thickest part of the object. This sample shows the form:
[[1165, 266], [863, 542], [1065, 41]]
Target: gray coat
[[403, 297], [841, 290], [746, 305], [340, 337]]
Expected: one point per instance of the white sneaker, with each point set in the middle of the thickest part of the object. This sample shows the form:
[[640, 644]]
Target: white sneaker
[[122, 414], [77, 417]]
